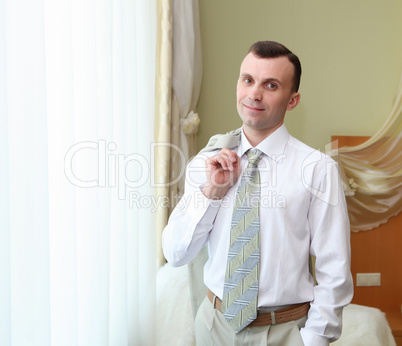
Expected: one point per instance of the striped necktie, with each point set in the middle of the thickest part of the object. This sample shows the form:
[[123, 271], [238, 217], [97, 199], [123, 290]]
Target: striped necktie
[[239, 303]]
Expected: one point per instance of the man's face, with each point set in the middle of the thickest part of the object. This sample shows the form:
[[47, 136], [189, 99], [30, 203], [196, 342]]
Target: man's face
[[264, 93]]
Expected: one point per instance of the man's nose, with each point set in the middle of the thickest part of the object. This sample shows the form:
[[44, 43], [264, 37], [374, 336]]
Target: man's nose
[[255, 93]]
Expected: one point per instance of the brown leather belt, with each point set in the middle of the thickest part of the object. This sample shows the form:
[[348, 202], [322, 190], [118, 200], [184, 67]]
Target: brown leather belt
[[291, 313]]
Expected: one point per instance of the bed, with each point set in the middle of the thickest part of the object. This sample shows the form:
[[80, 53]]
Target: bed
[[363, 325]]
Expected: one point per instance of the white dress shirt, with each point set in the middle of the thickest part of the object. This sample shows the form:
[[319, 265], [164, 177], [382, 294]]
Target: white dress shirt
[[302, 212]]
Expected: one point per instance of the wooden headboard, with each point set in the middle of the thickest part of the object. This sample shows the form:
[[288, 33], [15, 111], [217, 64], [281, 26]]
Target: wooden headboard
[[378, 251]]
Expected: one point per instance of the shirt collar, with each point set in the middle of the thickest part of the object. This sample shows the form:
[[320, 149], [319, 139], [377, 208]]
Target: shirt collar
[[273, 146]]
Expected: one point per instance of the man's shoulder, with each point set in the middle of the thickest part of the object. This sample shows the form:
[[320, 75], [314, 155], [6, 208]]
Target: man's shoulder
[[308, 158], [298, 145], [304, 149]]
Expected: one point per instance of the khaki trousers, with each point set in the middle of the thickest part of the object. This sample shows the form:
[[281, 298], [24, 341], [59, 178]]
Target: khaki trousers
[[211, 328]]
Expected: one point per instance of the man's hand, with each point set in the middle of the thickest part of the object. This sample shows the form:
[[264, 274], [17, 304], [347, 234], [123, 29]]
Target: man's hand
[[223, 170]]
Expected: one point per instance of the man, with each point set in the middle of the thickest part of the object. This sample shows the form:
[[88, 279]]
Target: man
[[263, 293]]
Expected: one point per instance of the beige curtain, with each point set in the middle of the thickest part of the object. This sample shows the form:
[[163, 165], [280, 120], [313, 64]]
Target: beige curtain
[[178, 84], [372, 173]]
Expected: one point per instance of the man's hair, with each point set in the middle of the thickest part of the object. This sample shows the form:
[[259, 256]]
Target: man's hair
[[271, 49]]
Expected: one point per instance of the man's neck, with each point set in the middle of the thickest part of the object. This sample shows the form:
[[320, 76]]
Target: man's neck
[[256, 136]]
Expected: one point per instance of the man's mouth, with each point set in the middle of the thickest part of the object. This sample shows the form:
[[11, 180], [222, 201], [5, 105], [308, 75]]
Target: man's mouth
[[253, 108]]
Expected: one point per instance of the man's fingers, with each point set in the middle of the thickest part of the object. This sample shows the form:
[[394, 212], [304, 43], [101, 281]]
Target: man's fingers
[[223, 161], [231, 155], [226, 159]]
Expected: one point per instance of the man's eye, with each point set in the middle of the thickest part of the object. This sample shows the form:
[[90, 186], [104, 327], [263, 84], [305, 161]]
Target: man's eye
[[271, 85], [247, 80]]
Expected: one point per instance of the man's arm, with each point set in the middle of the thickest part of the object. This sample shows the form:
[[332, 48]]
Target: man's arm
[[207, 181], [330, 243]]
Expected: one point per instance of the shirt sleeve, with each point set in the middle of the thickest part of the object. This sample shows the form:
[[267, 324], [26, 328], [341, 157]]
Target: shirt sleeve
[[192, 219], [330, 244]]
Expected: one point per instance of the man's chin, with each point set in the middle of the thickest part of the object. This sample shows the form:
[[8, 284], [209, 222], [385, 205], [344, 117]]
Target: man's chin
[[253, 122], [259, 126]]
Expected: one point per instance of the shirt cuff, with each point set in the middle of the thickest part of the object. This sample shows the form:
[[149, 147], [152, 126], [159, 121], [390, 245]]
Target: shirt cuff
[[311, 339]]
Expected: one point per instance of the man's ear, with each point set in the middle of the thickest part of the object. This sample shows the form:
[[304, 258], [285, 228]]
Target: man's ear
[[294, 101]]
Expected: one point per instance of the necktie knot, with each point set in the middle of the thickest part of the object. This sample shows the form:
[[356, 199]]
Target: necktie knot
[[254, 156]]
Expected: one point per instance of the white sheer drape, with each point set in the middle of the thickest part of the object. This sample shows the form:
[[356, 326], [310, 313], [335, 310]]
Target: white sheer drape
[[77, 240], [186, 75], [179, 72], [178, 84]]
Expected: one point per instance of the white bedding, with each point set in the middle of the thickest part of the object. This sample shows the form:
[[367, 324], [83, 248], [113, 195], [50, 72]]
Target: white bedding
[[174, 316], [362, 325]]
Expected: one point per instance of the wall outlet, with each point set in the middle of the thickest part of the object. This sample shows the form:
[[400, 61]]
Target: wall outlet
[[368, 279]]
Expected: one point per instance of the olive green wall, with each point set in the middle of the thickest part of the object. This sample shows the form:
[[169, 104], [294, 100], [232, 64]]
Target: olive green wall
[[351, 55]]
